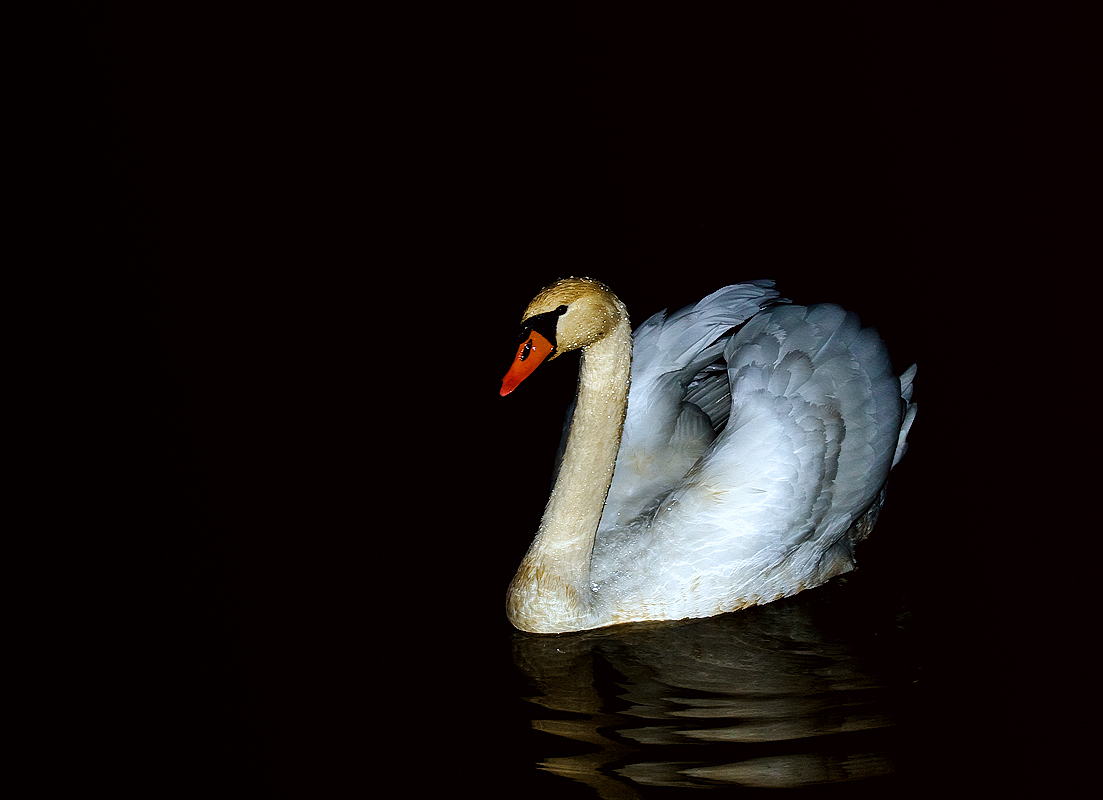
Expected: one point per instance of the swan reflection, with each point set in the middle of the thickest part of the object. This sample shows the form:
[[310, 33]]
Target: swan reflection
[[808, 690]]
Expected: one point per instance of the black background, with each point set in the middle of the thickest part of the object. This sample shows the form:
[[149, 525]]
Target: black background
[[311, 236]]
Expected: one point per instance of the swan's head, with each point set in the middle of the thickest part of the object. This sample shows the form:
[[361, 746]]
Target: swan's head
[[569, 314]]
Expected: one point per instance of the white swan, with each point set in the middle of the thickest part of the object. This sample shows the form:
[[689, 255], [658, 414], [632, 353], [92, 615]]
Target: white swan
[[740, 469]]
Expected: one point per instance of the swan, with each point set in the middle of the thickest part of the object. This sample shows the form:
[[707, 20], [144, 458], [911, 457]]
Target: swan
[[707, 467]]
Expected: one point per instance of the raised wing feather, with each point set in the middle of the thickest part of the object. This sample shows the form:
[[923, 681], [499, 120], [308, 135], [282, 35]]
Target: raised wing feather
[[667, 429], [764, 511]]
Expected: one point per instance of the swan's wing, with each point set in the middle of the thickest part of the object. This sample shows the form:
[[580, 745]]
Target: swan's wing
[[676, 401], [814, 426], [906, 381]]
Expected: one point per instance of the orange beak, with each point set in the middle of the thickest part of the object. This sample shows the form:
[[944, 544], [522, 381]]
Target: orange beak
[[532, 352]]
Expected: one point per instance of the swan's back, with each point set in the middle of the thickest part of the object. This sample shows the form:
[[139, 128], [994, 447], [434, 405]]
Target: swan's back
[[834, 372], [810, 418]]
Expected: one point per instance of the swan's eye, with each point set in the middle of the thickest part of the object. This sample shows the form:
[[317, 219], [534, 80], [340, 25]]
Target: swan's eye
[[526, 351]]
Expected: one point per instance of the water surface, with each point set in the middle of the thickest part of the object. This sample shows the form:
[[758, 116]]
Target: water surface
[[818, 691]]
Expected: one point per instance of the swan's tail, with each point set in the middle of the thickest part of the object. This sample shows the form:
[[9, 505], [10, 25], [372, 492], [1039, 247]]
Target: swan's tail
[[906, 381]]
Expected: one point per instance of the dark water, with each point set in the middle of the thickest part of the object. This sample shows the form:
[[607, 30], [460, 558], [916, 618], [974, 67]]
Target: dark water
[[818, 692]]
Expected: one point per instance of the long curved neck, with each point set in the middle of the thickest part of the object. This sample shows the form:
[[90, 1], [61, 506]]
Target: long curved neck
[[550, 591]]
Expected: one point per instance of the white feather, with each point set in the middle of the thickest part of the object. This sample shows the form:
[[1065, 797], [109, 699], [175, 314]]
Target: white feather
[[668, 353], [698, 523]]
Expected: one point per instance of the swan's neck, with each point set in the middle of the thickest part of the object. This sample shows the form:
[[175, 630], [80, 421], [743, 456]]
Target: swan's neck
[[551, 591]]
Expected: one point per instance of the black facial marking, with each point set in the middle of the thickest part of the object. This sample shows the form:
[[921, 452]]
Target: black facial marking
[[544, 324]]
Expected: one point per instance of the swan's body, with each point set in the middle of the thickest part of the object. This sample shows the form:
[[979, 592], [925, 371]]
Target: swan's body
[[746, 464]]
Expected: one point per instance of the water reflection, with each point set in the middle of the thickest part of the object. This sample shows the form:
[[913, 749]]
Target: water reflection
[[812, 690]]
